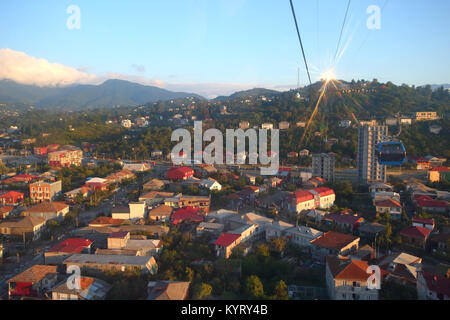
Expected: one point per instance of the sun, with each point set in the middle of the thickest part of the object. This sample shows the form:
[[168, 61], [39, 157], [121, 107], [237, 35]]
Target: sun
[[329, 75]]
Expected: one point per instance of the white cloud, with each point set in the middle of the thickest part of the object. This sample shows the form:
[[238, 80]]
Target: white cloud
[[22, 68]]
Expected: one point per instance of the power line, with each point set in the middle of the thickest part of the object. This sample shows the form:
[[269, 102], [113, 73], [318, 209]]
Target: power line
[[301, 43], [342, 29]]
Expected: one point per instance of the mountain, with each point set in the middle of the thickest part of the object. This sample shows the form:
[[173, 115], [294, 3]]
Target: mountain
[[249, 94], [78, 97], [437, 86]]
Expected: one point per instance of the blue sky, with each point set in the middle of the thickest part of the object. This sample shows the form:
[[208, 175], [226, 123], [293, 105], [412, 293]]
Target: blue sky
[[216, 46]]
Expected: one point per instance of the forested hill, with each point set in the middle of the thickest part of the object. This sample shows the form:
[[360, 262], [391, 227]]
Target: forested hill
[[79, 97], [367, 100]]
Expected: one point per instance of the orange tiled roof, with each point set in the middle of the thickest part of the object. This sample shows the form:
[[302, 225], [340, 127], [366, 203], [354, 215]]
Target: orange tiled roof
[[34, 274], [48, 207], [334, 240]]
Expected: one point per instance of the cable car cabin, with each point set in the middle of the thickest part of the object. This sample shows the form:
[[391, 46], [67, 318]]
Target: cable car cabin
[[391, 153]]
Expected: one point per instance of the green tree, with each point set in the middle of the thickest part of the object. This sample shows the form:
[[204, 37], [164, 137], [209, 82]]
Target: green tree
[[280, 291], [262, 250], [202, 291], [254, 287]]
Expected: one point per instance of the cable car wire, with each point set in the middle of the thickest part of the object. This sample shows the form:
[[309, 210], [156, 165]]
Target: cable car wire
[[301, 43], [342, 29]]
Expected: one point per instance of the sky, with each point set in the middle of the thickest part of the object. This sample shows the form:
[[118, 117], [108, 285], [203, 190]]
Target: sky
[[216, 47]]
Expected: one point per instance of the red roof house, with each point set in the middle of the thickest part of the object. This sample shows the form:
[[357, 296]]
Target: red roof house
[[5, 211], [181, 173], [73, 245], [61, 251], [188, 214], [415, 235], [432, 205], [11, 198], [433, 287], [226, 243], [424, 223], [333, 243], [33, 282], [345, 220], [106, 222]]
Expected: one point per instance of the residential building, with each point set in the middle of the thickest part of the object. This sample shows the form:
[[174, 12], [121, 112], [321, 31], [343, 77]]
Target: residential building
[[156, 154], [284, 125], [26, 228], [106, 222], [394, 208], [141, 122], [186, 214], [168, 290], [432, 286], [181, 173], [210, 184], [293, 155], [324, 197], [33, 282], [45, 191], [61, 251], [11, 198], [381, 196], [406, 121], [369, 168], [323, 166], [154, 185], [438, 174], [417, 236], [225, 244], [161, 213], [136, 167], [5, 211], [426, 116], [304, 153], [345, 123], [48, 210], [424, 223], [99, 263], [181, 201], [267, 126], [118, 240], [435, 129], [126, 123], [347, 279], [209, 227], [380, 187], [401, 267], [436, 161], [244, 125], [302, 200], [134, 210], [302, 235], [277, 229], [89, 289], [391, 121], [65, 158], [73, 194], [346, 221], [40, 151], [120, 176], [427, 204], [334, 243], [311, 199]]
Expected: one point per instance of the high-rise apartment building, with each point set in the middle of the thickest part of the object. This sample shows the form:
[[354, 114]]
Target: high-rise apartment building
[[323, 165], [369, 169]]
